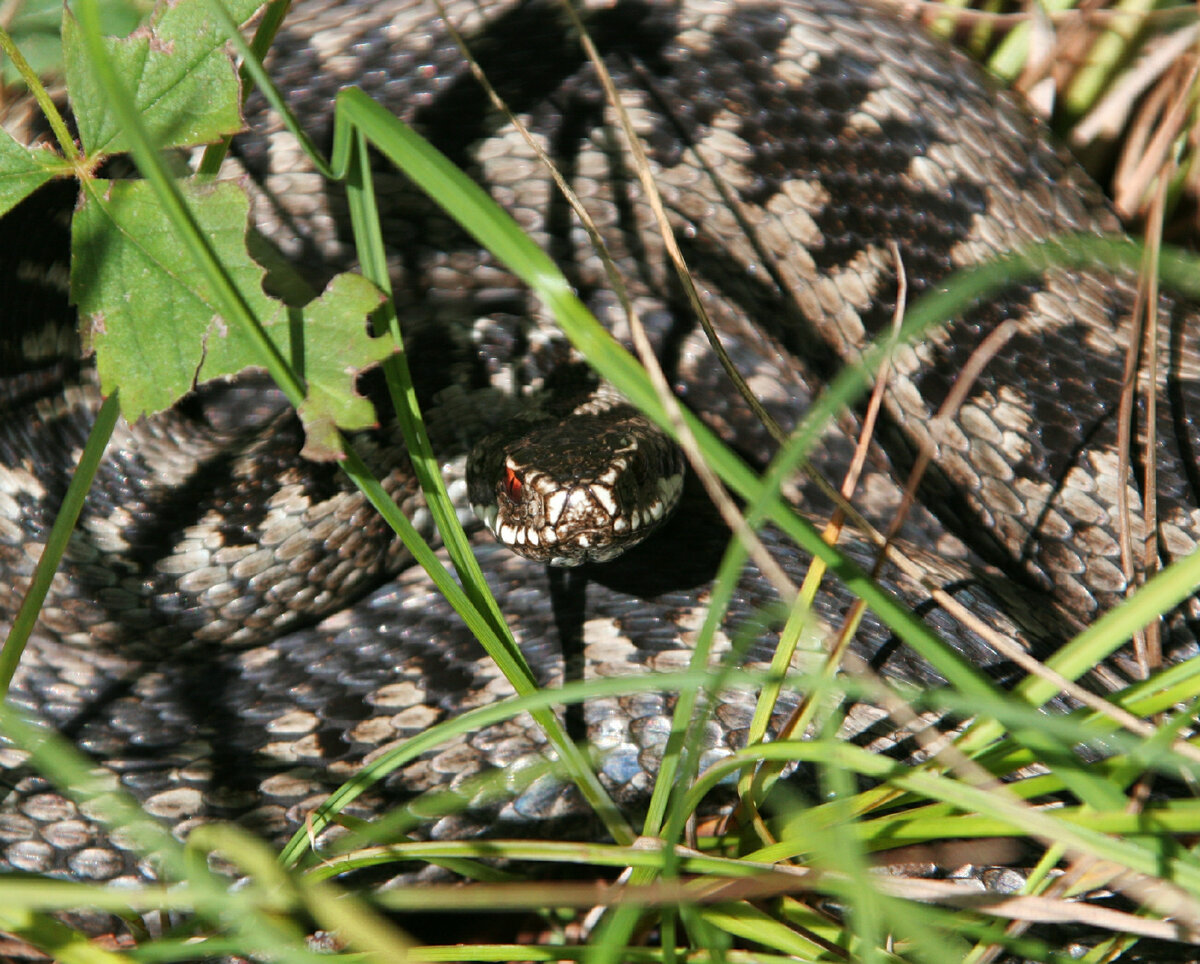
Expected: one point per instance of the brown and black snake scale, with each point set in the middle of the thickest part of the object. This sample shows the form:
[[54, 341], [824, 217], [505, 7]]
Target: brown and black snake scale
[[793, 143]]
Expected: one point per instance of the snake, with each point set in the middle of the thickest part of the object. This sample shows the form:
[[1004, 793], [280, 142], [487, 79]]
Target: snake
[[234, 633]]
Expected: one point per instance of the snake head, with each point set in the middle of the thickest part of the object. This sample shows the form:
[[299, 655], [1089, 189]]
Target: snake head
[[584, 486]]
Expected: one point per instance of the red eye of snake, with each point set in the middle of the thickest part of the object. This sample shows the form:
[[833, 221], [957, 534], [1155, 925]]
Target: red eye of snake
[[512, 485]]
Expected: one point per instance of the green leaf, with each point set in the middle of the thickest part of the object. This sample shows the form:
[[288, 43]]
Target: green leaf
[[36, 27], [333, 361], [178, 70], [20, 171], [156, 326]]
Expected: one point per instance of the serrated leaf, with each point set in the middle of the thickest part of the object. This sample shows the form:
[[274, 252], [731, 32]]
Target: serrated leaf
[[139, 299], [176, 68], [154, 323], [331, 401], [36, 28], [20, 172]]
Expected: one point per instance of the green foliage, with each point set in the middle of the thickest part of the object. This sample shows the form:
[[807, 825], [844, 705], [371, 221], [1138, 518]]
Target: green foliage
[[176, 71], [200, 311], [36, 26], [21, 171], [124, 242]]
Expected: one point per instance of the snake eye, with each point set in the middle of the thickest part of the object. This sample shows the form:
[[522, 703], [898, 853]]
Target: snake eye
[[512, 485]]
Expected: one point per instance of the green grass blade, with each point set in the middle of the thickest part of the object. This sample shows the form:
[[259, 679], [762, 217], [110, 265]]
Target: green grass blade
[[56, 540]]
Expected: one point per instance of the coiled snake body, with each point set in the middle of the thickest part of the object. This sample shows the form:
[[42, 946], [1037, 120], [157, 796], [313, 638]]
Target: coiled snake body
[[797, 146]]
